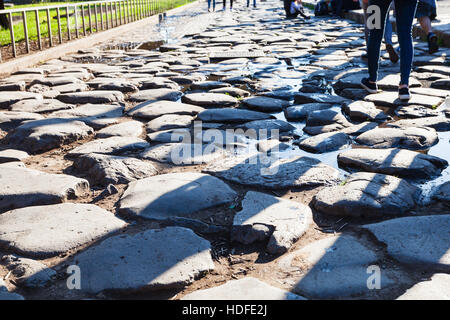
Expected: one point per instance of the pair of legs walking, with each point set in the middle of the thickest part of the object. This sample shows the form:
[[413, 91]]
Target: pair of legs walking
[[224, 4], [405, 11]]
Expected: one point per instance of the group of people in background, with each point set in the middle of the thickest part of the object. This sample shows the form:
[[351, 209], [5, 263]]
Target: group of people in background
[[225, 5]]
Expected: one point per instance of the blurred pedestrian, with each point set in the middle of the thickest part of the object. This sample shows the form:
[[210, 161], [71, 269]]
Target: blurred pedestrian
[[225, 5], [209, 5], [426, 12]]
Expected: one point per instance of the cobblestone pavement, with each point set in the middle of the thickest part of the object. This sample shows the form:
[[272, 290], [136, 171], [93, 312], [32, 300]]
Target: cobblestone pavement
[[238, 160]]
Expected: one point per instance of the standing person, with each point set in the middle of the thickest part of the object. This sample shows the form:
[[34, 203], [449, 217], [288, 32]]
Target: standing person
[[225, 5], [393, 56], [254, 3], [426, 12], [209, 5], [405, 11]]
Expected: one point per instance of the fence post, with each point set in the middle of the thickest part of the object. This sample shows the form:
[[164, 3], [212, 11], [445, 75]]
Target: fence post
[[11, 31], [38, 29], [49, 27], [68, 23], [101, 15], [25, 29], [59, 25], [76, 21], [84, 23]]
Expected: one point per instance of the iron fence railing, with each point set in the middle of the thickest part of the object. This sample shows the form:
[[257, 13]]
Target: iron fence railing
[[73, 20]]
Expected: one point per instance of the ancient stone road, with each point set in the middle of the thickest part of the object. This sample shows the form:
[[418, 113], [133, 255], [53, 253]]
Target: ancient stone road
[[155, 172]]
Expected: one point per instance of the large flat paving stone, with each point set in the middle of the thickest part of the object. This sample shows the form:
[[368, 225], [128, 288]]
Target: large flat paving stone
[[300, 112], [12, 155], [46, 231], [440, 123], [11, 119], [368, 195], [422, 240], [333, 267], [43, 135], [155, 259], [183, 153], [26, 187], [325, 142], [390, 99], [96, 96], [396, 162], [125, 129], [267, 217], [156, 94], [265, 104], [154, 109], [409, 138], [209, 100], [169, 121], [363, 111], [209, 85], [232, 91], [39, 106], [302, 98], [229, 115], [8, 98], [89, 111], [243, 289], [105, 169], [437, 288], [175, 194], [257, 170], [112, 145]]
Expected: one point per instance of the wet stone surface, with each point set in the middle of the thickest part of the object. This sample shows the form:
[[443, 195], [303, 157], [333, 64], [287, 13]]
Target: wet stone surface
[[225, 155]]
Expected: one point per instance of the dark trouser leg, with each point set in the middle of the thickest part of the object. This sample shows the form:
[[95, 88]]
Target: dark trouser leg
[[406, 10], [376, 33]]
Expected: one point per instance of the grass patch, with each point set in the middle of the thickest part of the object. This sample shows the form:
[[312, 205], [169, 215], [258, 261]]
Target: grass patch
[[18, 25]]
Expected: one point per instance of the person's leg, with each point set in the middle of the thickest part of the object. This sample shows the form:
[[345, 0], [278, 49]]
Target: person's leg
[[214, 5], [405, 11], [388, 31], [209, 5], [254, 3], [425, 23], [375, 37], [287, 8], [224, 4], [248, 3]]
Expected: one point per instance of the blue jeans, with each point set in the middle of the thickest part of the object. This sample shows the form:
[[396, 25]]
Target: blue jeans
[[248, 3], [214, 4], [388, 31], [405, 11]]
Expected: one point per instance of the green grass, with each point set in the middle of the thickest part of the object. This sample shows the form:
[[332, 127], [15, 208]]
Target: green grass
[[19, 34]]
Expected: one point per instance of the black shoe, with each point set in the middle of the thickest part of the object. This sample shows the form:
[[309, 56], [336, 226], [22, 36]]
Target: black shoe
[[403, 94], [432, 43], [371, 87]]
